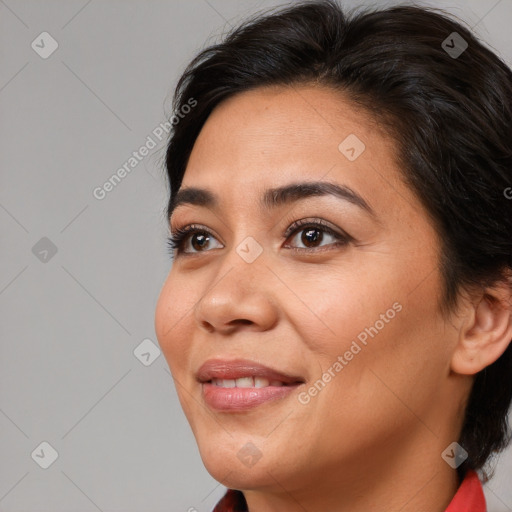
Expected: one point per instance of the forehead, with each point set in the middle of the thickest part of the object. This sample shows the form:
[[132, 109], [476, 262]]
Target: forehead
[[270, 137]]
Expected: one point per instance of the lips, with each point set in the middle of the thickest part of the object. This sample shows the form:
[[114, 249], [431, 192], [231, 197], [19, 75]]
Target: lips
[[238, 385], [216, 371]]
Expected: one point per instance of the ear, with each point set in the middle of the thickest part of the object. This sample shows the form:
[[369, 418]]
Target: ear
[[486, 331]]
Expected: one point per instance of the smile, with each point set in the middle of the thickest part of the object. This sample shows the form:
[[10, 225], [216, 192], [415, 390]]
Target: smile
[[247, 382]]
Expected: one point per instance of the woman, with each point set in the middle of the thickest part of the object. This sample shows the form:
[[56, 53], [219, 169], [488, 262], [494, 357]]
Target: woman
[[337, 318]]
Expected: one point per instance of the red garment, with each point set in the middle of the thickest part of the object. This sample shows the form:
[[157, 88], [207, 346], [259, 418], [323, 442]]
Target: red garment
[[468, 498]]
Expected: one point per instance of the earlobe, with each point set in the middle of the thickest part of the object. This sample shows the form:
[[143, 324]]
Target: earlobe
[[486, 332]]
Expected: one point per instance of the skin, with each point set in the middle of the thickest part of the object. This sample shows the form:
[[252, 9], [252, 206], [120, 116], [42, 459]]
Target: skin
[[372, 438]]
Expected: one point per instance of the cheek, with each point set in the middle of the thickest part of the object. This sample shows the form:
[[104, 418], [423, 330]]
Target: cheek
[[173, 314], [341, 303], [403, 357], [384, 326]]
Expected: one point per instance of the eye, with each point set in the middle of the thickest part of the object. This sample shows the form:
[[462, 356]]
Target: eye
[[313, 234], [196, 236]]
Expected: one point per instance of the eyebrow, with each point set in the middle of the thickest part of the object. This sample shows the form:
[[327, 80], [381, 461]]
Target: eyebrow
[[275, 197]]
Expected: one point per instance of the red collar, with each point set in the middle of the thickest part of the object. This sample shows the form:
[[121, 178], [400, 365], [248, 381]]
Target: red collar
[[468, 498]]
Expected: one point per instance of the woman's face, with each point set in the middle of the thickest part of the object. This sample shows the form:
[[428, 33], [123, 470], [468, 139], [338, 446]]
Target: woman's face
[[348, 308]]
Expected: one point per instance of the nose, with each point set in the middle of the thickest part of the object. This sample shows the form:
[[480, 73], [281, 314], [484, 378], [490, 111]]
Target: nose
[[240, 296]]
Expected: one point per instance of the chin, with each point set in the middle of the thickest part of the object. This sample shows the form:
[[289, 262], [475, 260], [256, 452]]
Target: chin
[[236, 462]]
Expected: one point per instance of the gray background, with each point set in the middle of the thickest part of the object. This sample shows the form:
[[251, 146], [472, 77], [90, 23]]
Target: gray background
[[71, 321]]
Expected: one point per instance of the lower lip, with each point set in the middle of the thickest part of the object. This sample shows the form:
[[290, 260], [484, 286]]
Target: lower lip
[[238, 399]]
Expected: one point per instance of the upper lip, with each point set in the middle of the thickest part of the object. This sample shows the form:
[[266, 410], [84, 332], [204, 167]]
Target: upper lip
[[238, 368]]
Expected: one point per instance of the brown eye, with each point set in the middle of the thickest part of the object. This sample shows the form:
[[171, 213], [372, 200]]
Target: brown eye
[[199, 241], [308, 236], [311, 236], [190, 240]]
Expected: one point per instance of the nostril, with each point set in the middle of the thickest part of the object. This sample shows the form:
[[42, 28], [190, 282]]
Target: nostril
[[243, 321], [207, 326]]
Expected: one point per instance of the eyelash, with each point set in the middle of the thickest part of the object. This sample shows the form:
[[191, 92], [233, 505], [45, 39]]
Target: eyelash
[[176, 241]]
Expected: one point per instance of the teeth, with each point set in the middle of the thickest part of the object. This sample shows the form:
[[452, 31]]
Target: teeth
[[260, 382], [246, 382]]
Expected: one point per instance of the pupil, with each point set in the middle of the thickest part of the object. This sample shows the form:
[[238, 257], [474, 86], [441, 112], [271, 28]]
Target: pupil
[[310, 236], [202, 239]]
